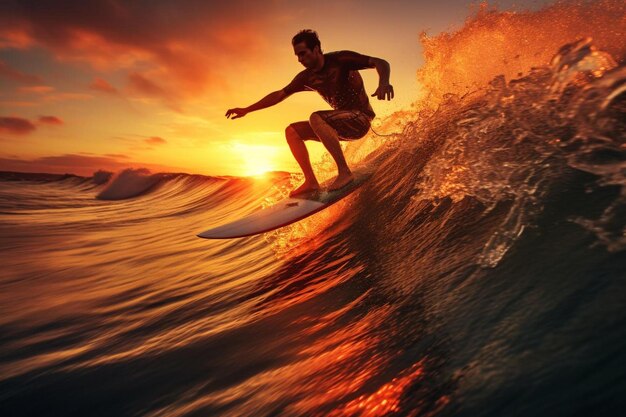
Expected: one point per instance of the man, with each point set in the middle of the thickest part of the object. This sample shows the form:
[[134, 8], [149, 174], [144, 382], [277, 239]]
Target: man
[[336, 78]]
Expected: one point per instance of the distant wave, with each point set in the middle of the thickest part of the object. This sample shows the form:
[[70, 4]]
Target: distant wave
[[35, 176], [130, 183]]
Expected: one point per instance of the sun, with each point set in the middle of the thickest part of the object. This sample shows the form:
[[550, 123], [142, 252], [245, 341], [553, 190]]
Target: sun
[[256, 160], [256, 167]]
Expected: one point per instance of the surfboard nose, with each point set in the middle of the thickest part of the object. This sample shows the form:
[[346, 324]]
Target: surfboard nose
[[283, 213]]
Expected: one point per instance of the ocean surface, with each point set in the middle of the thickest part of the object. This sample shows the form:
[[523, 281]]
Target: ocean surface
[[480, 272]]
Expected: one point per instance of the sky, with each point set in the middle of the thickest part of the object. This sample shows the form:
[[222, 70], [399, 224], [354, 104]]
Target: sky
[[108, 84]]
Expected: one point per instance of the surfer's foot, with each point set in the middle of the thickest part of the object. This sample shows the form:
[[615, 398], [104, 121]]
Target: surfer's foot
[[305, 188], [341, 181]]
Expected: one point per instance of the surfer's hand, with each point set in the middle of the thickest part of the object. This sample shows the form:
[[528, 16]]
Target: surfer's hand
[[384, 92], [236, 113]]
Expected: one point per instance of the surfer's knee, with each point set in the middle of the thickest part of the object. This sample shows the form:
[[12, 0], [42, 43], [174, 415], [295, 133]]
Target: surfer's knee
[[291, 133], [315, 119]]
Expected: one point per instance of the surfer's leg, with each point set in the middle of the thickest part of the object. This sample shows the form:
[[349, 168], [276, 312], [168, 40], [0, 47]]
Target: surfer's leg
[[294, 133], [329, 137]]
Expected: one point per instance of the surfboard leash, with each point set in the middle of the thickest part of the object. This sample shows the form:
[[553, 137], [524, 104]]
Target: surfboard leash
[[379, 134]]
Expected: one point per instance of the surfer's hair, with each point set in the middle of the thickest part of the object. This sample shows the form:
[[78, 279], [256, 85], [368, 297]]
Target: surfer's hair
[[309, 37]]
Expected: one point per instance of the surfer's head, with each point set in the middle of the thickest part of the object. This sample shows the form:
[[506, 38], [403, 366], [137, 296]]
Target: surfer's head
[[308, 48]]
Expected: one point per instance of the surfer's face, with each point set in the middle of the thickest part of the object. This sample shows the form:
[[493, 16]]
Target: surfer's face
[[307, 57]]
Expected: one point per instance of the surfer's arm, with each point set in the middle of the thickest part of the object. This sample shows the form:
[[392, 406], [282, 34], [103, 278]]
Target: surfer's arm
[[384, 90], [268, 101]]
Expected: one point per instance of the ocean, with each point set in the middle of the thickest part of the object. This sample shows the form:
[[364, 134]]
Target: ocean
[[480, 272]]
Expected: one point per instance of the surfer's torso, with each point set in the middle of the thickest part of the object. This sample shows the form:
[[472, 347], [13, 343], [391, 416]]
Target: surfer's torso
[[338, 82]]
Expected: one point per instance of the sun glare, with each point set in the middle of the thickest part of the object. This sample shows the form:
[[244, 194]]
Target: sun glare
[[256, 168], [256, 159]]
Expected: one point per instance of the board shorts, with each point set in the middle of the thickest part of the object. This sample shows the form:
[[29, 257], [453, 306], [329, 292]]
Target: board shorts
[[349, 124]]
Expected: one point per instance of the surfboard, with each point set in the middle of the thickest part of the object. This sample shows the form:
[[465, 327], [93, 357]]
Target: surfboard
[[285, 212]]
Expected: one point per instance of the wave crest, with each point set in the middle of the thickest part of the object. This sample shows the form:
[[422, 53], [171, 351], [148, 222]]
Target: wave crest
[[129, 183]]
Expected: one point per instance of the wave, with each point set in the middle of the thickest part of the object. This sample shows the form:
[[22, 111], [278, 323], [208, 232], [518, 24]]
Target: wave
[[484, 252], [131, 183], [135, 182], [494, 43], [503, 149]]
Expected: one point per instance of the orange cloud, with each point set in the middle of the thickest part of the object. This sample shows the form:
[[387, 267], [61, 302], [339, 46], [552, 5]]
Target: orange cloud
[[155, 140], [102, 85], [13, 74], [16, 125], [140, 85], [143, 85], [83, 165], [60, 97], [186, 45], [38, 89], [50, 120], [21, 126], [17, 103]]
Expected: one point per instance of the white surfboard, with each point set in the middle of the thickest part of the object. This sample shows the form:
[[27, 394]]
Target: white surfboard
[[285, 212]]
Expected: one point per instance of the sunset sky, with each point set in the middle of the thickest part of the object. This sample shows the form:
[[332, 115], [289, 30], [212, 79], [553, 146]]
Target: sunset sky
[[107, 84]]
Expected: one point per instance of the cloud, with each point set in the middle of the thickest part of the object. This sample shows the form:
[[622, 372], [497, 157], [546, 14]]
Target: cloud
[[21, 126], [17, 103], [67, 97], [172, 51], [37, 89], [155, 140], [39, 94], [42, 94], [78, 164], [140, 85], [50, 120], [102, 85], [14, 38], [16, 125], [143, 85], [13, 74]]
